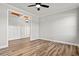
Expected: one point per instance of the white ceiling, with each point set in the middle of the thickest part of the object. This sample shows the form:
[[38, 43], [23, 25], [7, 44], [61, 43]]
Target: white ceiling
[[54, 8]]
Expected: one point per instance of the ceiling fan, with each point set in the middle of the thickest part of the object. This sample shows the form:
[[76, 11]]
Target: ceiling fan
[[38, 5]]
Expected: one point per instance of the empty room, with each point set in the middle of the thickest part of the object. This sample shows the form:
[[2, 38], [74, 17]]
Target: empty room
[[39, 29]]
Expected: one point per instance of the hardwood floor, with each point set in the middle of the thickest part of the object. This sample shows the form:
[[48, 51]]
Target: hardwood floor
[[25, 47]]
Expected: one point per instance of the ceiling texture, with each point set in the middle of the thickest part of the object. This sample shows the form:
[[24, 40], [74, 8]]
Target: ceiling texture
[[54, 8]]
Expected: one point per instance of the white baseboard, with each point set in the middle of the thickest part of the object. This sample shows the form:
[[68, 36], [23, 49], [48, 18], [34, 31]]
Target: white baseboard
[[16, 38], [3, 46], [69, 43]]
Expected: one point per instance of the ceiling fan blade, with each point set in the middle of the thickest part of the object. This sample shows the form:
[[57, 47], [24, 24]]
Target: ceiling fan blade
[[38, 9], [31, 5], [45, 6], [15, 13]]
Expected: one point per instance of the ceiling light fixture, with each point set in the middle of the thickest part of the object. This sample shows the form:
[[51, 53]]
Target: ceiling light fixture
[[38, 6]]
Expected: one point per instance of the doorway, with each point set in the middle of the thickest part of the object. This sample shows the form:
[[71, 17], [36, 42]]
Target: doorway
[[19, 30]]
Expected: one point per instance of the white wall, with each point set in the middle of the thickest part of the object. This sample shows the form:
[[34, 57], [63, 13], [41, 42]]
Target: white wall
[[60, 27], [3, 27], [34, 28]]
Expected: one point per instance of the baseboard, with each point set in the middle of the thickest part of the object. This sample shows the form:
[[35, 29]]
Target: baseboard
[[69, 43], [17, 38], [3, 46]]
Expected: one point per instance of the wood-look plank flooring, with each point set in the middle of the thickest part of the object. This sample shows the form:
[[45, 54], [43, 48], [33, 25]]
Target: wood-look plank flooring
[[25, 47]]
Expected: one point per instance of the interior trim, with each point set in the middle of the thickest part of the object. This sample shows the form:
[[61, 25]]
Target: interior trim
[[63, 42]]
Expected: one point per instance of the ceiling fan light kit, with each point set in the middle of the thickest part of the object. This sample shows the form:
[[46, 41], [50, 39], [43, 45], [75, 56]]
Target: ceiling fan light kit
[[38, 6]]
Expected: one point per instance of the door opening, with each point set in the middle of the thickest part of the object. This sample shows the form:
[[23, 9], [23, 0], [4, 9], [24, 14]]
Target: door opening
[[19, 30]]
